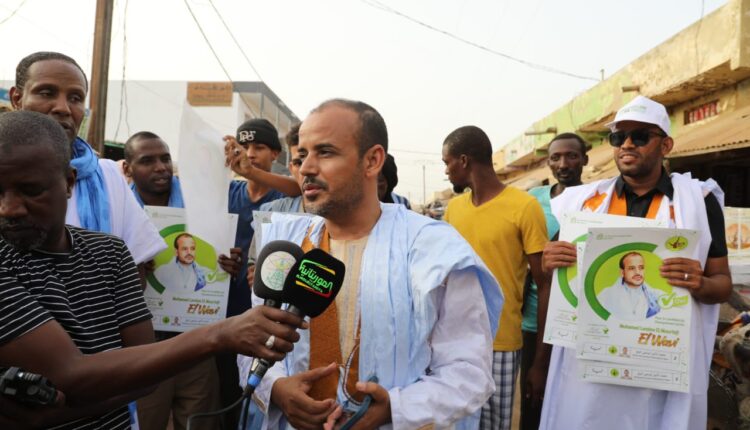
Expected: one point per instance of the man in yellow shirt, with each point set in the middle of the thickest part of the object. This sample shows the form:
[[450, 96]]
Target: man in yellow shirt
[[507, 229]]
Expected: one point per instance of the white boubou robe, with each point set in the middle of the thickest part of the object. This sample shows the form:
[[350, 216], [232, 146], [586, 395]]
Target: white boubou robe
[[570, 403], [415, 272]]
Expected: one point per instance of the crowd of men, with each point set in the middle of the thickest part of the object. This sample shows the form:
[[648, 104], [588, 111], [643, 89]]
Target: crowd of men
[[443, 314]]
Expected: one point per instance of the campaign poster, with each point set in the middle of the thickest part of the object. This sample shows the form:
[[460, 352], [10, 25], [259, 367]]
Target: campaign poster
[[561, 325], [628, 314], [186, 286], [737, 229]]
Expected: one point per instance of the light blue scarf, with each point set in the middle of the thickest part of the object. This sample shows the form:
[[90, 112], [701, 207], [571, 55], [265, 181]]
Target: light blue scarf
[[93, 203], [175, 194], [397, 316]]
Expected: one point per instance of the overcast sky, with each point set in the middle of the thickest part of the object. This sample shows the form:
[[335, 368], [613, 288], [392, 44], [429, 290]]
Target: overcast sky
[[425, 83]]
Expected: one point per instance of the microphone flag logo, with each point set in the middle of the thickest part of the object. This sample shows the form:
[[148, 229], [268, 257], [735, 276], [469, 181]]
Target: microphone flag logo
[[312, 276], [275, 268]]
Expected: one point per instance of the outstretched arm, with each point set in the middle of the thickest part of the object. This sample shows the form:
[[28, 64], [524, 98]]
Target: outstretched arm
[[236, 159], [90, 378]]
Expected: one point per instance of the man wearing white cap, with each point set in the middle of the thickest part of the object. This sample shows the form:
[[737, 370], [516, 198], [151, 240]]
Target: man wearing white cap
[[640, 137]]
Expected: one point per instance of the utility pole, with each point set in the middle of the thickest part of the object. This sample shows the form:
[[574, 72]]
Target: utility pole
[[100, 73]]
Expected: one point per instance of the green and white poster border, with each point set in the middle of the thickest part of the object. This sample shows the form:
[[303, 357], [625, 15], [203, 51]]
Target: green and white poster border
[[562, 316], [643, 341]]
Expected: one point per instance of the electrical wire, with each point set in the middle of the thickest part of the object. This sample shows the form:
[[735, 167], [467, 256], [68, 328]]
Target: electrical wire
[[379, 5], [234, 39], [14, 12], [214, 413], [213, 51], [525, 29], [123, 87], [208, 42], [245, 413]]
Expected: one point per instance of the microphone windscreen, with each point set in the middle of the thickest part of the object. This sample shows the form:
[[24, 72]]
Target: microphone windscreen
[[274, 263], [313, 282]]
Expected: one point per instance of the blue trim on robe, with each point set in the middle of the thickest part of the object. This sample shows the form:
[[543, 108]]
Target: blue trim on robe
[[396, 322]]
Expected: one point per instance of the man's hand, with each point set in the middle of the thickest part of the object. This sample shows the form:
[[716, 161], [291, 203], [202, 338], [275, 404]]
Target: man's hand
[[302, 411], [250, 275], [558, 254], [233, 263], [682, 272], [235, 157], [248, 333], [17, 416], [710, 285], [378, 414], [149, 266], [535, 382]]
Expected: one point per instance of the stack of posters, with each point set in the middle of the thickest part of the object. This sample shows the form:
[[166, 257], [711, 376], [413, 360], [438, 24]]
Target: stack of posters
[[629, 326], [633, 326], [562, 317]]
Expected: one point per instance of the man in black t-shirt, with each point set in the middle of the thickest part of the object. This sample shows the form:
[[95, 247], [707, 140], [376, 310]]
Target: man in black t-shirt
[[641, 139], [71, 308]]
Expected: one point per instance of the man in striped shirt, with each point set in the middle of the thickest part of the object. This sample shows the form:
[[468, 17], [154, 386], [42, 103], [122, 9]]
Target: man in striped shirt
[[70, 299]]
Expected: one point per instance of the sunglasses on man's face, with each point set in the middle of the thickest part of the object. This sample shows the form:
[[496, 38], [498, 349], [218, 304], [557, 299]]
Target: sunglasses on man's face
[[638, 137]]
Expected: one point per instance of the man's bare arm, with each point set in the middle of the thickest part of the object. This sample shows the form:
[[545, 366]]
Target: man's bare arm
[[87, 379], [538, 372], [142, 275], [237, 160]]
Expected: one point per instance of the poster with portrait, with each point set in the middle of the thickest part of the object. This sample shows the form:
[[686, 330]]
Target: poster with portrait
[[186, 286], [737, 229], [561, 325], [628, 313]]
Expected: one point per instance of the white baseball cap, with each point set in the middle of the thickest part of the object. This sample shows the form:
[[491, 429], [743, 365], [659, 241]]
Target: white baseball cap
[[643, 109]]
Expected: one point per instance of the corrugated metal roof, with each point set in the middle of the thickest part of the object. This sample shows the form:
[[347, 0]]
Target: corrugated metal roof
[[730, 130]]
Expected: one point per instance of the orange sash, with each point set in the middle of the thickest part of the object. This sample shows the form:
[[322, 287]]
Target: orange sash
[[619, 206], [325, 346]]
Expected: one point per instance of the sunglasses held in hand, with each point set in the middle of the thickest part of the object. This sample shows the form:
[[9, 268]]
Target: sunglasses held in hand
[[638, 137]]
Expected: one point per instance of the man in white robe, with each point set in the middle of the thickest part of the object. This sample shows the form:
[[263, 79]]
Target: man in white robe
[[417, 304], [640, 137]]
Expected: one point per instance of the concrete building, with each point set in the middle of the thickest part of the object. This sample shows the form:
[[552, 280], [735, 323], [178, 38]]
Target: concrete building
[[157, 106], [701, 74]]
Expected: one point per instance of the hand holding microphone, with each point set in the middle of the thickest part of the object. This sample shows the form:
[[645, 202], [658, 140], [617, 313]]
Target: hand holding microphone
[[283, 274], [266, 332], [249, 333], [311, 282]]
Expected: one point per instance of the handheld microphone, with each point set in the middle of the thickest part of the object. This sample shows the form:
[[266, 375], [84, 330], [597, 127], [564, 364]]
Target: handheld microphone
[[274, 262], [313, 283], [310, 287]]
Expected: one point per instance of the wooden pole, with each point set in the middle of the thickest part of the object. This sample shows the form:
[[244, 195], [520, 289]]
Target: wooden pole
[[100, 73]]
